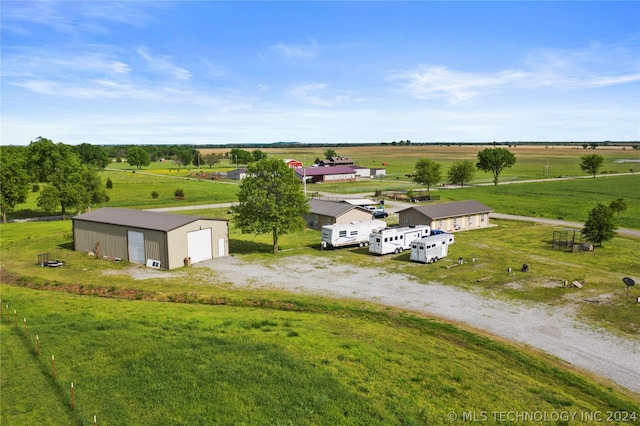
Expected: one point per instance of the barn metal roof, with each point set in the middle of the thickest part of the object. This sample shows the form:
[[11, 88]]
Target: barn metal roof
[[139, 218], [324, 171], [460, 208], [331, 208]]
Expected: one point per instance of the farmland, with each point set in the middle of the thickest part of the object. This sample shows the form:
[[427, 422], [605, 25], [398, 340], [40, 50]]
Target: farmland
[[189, 348]]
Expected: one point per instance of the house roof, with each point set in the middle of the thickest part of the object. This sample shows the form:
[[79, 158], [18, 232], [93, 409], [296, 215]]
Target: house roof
[[460, 208], [139, 218], [324, 171], [331, 208]]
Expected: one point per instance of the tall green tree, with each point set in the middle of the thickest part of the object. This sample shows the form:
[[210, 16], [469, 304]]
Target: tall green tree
[[42, 158], [240, 156], [618, 205], [258, 155], [71, 185], [211, 159], [427, 173], [461, 172], [494, 160], [600, 225], [138, 157], [271, 200], [328, 153], [92, 155], [591, 163], [14, 179]]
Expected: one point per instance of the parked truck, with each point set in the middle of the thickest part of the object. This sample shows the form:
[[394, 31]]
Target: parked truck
[[350, 234], [396, 240], [432, 248]]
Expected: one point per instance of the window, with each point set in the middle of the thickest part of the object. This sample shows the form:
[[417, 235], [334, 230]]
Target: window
[[343, 233], [353, 233], [482, 217]]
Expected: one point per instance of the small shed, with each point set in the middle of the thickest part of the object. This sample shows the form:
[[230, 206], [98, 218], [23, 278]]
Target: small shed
[[448, 217], [322, 212], [237, 174], [161, 240]]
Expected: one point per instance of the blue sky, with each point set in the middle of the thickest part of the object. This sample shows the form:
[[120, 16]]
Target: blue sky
[[205, 72]]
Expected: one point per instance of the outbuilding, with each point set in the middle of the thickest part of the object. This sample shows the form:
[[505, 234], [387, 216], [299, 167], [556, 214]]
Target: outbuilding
[[159, 240], [322, 212], [448, 217]]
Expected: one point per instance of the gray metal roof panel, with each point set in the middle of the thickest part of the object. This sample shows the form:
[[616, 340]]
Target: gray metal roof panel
[[331, 208], [156, 221], [460, 208]]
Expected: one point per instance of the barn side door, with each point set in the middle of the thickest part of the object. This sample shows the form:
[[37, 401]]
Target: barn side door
[[135, 245]]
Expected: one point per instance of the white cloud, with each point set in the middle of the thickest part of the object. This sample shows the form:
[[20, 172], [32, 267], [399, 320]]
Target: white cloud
[[317, 94], [592, 67], [164, 64], [295, 50], [454, 86]]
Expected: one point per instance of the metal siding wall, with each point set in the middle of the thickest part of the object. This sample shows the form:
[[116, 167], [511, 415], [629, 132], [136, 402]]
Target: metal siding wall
[[177, 240], [154, 246], [354, 215], [112, 239]]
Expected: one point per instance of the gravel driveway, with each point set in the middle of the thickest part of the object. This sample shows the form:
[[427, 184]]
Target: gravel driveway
[[551, 329]]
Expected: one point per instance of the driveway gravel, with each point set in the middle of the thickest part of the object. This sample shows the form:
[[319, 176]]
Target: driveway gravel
[[554, 330]]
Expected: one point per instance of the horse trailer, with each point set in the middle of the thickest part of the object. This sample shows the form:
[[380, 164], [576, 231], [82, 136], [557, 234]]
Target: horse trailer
[[431, 249], [396, 240]]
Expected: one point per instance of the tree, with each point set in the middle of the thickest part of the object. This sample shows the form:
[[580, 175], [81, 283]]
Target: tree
[[427, 173], [258, 155], [270, 200], [600, 225], [328, 153], [71, 184], [211, 159], [591, 163], [138, 157], [240, 156], [14, 179], [618, 206], [42, 158], [94, 192], [92, 155], [461, 172], [494, 160]]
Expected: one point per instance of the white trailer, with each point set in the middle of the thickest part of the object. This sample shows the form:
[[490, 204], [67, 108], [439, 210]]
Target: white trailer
[[350, 234], [396, 240], [431, 249]]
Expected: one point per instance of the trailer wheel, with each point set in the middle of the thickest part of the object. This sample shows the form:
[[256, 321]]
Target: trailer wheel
[[398, 250], [366, 244], [361, 245], [435, 259]]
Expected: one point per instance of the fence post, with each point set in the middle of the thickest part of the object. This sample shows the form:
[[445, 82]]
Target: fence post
[[53, 366]]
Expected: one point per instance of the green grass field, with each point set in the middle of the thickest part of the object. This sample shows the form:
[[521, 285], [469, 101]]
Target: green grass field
[[142, 362]]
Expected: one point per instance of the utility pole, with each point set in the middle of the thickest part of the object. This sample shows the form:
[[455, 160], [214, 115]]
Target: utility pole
[[304, 175]]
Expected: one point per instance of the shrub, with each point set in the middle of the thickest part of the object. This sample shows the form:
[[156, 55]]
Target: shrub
[[154, 195], [35, 187], [179, 192], [109, 183]]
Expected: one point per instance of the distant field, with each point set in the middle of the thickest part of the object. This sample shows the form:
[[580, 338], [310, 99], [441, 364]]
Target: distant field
[[531, 160]]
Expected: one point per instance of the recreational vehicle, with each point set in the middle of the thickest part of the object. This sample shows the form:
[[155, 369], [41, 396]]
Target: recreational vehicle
[[350, 234], [396, 240], [431, 249]]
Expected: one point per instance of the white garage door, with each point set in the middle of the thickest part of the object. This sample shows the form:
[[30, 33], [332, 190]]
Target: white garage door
[[199, 245], [135, 243]]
